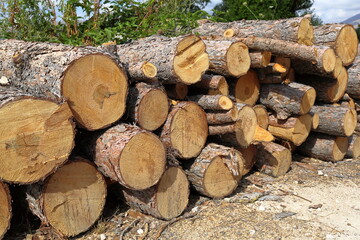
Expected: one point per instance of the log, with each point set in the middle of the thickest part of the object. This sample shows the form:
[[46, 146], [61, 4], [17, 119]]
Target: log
[[297, 29], [335, 120], [272, 159], [227, 57], [213, 85], [260, 59], [286, 100], [283, 61], [37, 136], [294, 129], [90, 79], [341, 37], [129, 155], [262, 135], [212, 102], [271, 78], [166, 200], [147, 105], [216, 171], [222, 117], [262, 115], [249, 156], [70, 200], [179, 59], [177, 91], [185, 131], [324, 147], [353, 150], [353, 87], [315, 120], [246, 89], [305, 67], [223, 129], [290, 76], [5, 209]]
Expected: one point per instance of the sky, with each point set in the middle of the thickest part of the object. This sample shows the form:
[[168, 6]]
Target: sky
[[329, 11]]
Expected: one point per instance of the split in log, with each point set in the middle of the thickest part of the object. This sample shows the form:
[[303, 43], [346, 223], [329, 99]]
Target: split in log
[[37, 137], [262, 116], [249, 156], [5, 209], [341, 37], [71, 199], [272, 158], [129, 155], [213, 85], [179, 59], [212, 102], [185, 130], [216, 171], [223, 117], [294, 129], [354, 146], [285, 100], [335, 120], [262, 135], [89, 79], [147, 106], [353, 88], [177, 91], [260, 59], [246, 88], [166, 200], [324, 147], [227, 57]]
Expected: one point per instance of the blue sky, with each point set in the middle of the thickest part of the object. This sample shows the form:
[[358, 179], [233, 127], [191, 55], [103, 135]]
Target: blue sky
[[329, 11]]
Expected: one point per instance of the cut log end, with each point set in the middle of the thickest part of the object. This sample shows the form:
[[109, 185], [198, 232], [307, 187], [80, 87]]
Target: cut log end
[[347, 44], [350, 121], [340, 148], [222, 88], [262, 135], [277, 67], [249, 156], [149, 70], [329, 60], [354, 147], [38, 137], [225, 103], [238, 59], [306, 32], [337, 91], [315, 121], [228, 33], [103, 92], [191, 59], [245, 127], [262, 116], [307, 101], [5, 209], [247, 88]]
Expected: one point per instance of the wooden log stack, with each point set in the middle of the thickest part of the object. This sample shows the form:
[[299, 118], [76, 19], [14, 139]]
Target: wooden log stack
[[160, 115]]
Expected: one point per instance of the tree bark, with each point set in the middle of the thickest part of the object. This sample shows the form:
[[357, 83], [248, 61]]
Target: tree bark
[[353, 87], [213, 85], [5, 209], [246, 89], [305, 67], [212, 102], [222, 117], [354, 147], [260, 59]]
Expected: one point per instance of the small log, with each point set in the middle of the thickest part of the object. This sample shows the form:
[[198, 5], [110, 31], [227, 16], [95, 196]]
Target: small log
[[249, 156], [294, 129], [283, 61], [5, 209], [213, 85], [147, 106], [216, 171], [223, 129], [262, 135], [246, 89], [71, 200], [177, 91], [272, 158], [185, 131], [341, 37], [262, 115], [315, 120], [353, 87], [166, 200], [324, 147], [273, 68], [354, 147], [285, 100], [179, 59], [212, 102], [260, 59], [271, 78], [335, 120], [222, 117]]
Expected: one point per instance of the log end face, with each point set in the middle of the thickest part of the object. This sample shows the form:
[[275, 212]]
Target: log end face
[[238, 59], [266, 58], [315, 121], [228, 33], [301, 129], [340, 148], [245, 127], [225, 103], [346, 45], [307, 101], [350, 121], [247, 88], [356, 147], [337, 90], [5, 209], [284, 161], [262, 116], [329, 60], [306, 32], [222, 87], [149, 70]]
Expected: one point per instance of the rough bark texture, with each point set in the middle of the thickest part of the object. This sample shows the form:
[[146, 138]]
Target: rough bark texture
[[216, 171], [222, 129], [285, 100], [222, 117], [211, 85], [212, 102], [353, 88], [260, 59], [5, 209], [354, 147]]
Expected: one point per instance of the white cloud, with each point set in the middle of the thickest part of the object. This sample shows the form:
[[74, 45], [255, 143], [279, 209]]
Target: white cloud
[[336, 11]]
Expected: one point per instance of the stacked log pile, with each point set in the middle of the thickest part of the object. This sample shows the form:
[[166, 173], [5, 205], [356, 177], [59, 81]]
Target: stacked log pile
[[159, 115]]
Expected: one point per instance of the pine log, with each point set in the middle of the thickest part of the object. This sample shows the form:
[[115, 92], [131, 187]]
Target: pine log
[[283, 61], [216, 171], [70, 200], [166, 200], [185, 131], [5, 209], [227, 57], [147, 105], [305, 67], [290, 76], [324, 147], [354, 147], [212, 102], [179, 59], [353, 87], [294, 129], [213, 85], [271, 78], [341, 37], [177, 91], [260, 59], [297, 29], [90, 79], [262, 115], [223, 117], [249, 156], [315, 120], [262, 135], [37, 136], [223, 129], [272, 159], [285, 100], [246, 89], [129, 155], [273, 68], [335, 120]]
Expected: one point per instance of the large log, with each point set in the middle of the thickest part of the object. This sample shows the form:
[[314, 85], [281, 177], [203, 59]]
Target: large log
[[246, 89], [166, 200], [212, 102], [88, 78], [37, 136], [341, 37], [216, 171], [335, 120], [297, 29], [353, 88], [70, 200], [272, 158], [5, 209], [185, 130], [354, 146], [213, 85], [179, 59], [147, 105], [324, 147], [285, 100]]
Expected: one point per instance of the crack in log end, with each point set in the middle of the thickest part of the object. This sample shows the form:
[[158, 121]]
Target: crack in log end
[[101, 93]]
